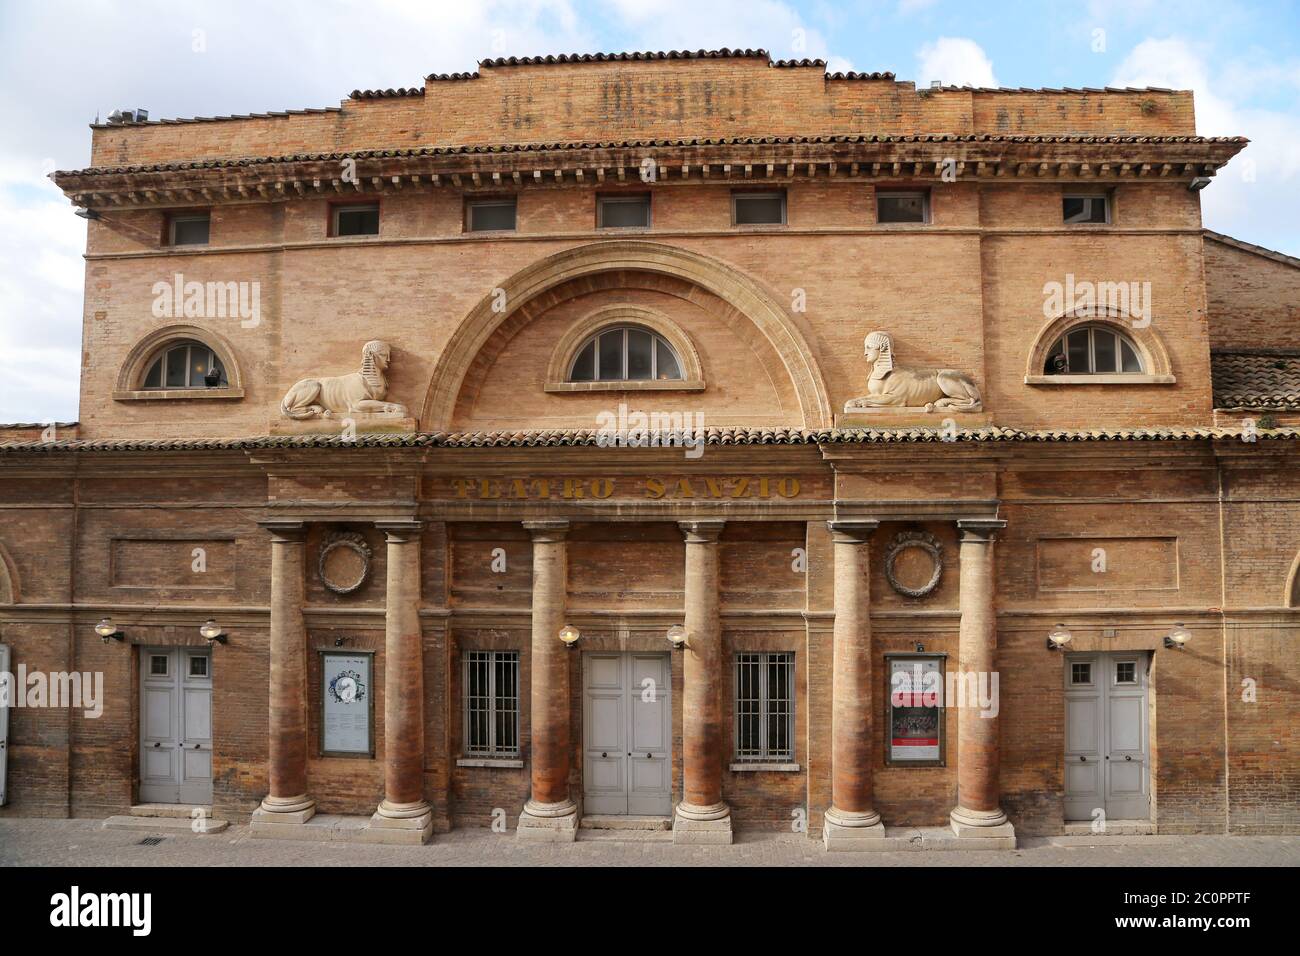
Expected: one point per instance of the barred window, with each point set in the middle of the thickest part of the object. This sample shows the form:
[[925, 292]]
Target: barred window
[[764, 707], [491, 694]]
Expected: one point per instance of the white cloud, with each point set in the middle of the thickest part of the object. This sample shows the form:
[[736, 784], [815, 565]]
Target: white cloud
[[956, 61], [908, 7], [1257, 196]]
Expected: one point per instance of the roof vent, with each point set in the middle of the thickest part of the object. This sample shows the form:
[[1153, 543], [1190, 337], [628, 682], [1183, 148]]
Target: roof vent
[[128, 116]]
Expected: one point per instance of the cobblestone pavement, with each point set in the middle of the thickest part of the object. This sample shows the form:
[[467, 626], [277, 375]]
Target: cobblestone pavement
[[85, 843]]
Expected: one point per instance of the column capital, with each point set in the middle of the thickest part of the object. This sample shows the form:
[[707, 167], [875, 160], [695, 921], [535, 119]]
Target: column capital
[[284, 529], [547, 529], [980, 530], [400, 530], [702, 532], [855, 531]]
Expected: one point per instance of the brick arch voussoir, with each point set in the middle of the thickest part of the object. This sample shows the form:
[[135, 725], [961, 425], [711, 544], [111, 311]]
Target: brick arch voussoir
[[607, 265]]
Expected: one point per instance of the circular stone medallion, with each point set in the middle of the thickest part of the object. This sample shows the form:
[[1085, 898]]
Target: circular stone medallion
[[344, 562], [914, 563]]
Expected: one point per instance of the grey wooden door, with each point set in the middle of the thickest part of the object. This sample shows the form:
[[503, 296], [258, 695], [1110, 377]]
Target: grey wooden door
[[1107, 747], [627, 734], [8, 694], [176, 725]]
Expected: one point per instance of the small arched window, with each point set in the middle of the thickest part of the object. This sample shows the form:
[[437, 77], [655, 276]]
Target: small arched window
[[185, 364], [1093, 350], [625, 354]]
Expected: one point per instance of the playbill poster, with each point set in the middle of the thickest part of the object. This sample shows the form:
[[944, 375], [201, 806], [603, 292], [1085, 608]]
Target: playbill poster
[[915, 696], [347, 704]]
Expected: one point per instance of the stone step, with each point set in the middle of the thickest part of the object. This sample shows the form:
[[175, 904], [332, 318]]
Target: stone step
[[180, 810], [624, 836], [165, 825], [612, 821], [1113, 828]]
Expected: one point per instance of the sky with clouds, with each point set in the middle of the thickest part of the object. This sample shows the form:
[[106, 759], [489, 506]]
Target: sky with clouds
[[64, 63]]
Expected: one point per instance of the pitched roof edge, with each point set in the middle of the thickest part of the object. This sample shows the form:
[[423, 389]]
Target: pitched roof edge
[[1250, 247]]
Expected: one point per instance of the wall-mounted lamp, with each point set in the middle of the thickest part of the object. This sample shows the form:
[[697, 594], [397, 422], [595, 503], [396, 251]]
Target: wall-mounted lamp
[[920, 648], [212, 632], [1177, 637], [87, 213], [1198, 183], [1059, 638], [677, 636], [108, 631], [569, 634], [340, 641]]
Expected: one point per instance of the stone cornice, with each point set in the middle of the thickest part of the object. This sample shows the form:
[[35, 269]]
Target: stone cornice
[[924, 158]]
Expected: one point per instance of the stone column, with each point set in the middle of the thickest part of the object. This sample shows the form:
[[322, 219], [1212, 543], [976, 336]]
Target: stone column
[[550, 815], [852, 823], [702, 816], [287, 802], [978, 815], [404, 816]]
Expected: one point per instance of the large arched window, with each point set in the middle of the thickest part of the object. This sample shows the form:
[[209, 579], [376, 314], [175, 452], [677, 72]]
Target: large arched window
[[185, 364], [1093, 350], [626, 353]]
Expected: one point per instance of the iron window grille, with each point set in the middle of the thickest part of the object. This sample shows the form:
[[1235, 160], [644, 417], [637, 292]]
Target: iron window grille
[[491, 693], [764, 707]]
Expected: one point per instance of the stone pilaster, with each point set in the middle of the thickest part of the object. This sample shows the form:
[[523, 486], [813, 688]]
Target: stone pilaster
[[852, 823], [702, 816], [287, 802], [978, 815], [550, 814], [404, 816]]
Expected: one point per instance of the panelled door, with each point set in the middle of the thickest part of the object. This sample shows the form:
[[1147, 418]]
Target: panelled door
[[176, 725], [627, 734], [10, 692], [1107, 749]]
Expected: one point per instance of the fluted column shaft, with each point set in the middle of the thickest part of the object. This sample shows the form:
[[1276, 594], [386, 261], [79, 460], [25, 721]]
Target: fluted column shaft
[[403, 675], [702, 672], [977, 733], [851, 684], [287, 730], [550, 672]]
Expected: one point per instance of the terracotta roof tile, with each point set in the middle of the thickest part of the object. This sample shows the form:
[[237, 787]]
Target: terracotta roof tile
[[1256, 378], [621, 144]]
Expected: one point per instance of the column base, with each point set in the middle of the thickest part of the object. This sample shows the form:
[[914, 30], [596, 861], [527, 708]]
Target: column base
[[548, 822], [989, 827], [279, 816], [853, 830], [702, 826], [400, 823]]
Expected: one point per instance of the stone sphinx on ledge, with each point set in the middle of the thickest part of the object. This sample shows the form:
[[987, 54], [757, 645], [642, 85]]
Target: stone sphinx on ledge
[[898, 395], [343, 404]]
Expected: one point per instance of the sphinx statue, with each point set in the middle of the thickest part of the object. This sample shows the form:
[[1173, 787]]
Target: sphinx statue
[[899, 387], [357, 394]]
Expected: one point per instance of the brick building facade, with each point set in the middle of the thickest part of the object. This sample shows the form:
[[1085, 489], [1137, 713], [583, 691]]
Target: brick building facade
[[522, 260]]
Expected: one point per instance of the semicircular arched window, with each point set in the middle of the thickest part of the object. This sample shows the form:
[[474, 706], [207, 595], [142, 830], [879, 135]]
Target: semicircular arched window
[[625, 353], [184, 364], [1093, 350]]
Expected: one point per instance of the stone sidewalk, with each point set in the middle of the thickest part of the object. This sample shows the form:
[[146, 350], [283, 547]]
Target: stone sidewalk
[[81, 843]]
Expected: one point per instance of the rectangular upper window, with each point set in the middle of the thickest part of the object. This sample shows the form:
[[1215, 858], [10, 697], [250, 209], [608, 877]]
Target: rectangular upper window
[[758, 209], [491, 693], [189, 229], [1093, 208], [490, 215], [356, 220], [623, 212], [900, 206], [764, 707]]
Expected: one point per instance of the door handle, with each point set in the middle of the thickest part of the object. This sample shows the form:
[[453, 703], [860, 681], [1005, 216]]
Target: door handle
[[198, 746], [1127, 757], [1082, 758], [649, 757], [604, 754], [158, 744]]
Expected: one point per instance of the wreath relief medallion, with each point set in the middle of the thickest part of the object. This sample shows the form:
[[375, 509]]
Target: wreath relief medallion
[[914, 563], [344, 562]]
